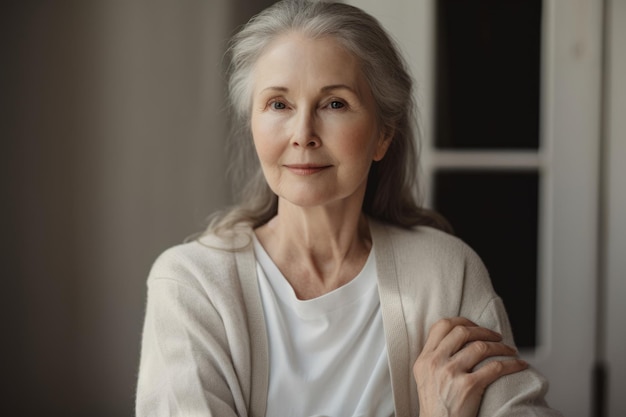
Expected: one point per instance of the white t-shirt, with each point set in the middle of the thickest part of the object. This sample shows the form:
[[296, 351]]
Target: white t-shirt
[[327, 355]]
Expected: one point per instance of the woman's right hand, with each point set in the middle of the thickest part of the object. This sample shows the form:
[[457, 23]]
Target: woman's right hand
[[447, 383]]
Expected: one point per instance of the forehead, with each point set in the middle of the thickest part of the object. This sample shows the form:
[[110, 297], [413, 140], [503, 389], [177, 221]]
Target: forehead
[[295, 58]]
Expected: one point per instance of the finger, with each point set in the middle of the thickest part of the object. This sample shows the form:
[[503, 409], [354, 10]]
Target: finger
[[486, 375], [460, 336], [442, 328], [475, 352]]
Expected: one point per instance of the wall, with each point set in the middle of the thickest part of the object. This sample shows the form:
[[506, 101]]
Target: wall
[[113, 149]]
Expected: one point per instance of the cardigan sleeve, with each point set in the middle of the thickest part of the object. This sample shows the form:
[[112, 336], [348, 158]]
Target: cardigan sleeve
[[185, 368], [428, 275], [519, 394]]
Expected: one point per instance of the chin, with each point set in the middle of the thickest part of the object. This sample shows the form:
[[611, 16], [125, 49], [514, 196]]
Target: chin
[[306, 201], [304, 198], [309, 200], [309, 196]]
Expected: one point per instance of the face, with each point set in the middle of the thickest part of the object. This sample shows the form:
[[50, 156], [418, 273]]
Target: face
[[314, 122]]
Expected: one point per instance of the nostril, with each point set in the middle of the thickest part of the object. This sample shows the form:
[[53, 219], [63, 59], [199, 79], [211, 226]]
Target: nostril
[[310, 141], [313, 142]]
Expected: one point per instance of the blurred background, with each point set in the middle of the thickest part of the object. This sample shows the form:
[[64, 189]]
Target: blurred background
[[113, 135]]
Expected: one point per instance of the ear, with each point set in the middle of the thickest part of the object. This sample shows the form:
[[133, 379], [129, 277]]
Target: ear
[[383, 144]]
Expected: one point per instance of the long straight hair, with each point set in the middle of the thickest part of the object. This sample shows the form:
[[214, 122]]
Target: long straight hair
[[392, 193]]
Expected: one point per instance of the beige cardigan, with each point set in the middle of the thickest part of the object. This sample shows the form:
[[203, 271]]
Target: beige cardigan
[[204, 348]]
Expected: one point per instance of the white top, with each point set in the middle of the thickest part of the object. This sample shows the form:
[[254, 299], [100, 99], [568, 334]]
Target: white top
[[327, 355]]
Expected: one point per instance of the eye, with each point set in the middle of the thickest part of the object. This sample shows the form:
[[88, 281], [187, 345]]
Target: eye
[[336, 105], [278, 105]]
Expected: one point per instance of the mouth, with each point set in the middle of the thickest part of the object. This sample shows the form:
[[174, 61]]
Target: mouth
[[306, 169]]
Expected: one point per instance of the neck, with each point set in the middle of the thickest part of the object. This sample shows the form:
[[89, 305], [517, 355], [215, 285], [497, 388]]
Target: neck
[[317, 249]]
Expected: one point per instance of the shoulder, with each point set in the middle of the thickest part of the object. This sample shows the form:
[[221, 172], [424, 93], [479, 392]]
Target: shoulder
[[424, 242], [429, 261], [207, 260]]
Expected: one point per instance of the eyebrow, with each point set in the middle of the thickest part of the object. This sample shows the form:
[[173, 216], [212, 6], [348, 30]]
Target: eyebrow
[[273, 88], [338, 87], [323, 89]]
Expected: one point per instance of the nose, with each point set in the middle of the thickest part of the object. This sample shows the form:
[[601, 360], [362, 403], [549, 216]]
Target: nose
[[305, 131]]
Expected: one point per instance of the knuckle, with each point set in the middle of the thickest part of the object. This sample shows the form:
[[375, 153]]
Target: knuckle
[[473, 384], [443, 324], [463, 332], [417, 368], [480, 348], [419, 364], [424, 363], [449, 371], [496, 367]]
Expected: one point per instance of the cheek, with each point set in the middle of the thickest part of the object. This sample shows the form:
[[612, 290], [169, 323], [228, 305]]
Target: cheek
[[264, 136], [358, 143]]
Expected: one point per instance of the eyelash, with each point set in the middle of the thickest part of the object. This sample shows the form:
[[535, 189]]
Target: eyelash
[[341, 104], [274, 103], [279, 105]]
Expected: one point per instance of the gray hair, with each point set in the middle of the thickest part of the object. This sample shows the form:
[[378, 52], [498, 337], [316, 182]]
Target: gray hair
[[392, 191]]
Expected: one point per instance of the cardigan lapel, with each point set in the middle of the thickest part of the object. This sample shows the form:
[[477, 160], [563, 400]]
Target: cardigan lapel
[[393, 319], [258, 344]]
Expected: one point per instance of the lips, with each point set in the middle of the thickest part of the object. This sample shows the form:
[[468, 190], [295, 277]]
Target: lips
[[306, 169]]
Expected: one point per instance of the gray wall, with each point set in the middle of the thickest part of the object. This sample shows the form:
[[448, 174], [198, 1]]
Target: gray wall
[[113, 138]]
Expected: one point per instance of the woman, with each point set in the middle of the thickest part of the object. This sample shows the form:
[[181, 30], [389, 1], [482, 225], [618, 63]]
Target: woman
[[328, 291]]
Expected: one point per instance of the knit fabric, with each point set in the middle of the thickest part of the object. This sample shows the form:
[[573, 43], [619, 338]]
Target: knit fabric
[[205, 350]]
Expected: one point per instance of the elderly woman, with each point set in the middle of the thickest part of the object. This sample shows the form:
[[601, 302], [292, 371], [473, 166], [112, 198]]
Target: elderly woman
[[327, 291]]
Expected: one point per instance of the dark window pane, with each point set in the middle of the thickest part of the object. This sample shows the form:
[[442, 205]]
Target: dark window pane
[[487, 74], [496, 214]]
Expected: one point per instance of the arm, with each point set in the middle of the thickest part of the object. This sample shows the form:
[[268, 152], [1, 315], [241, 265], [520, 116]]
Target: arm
[[186, 368], [469, 365], [522, 393]]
